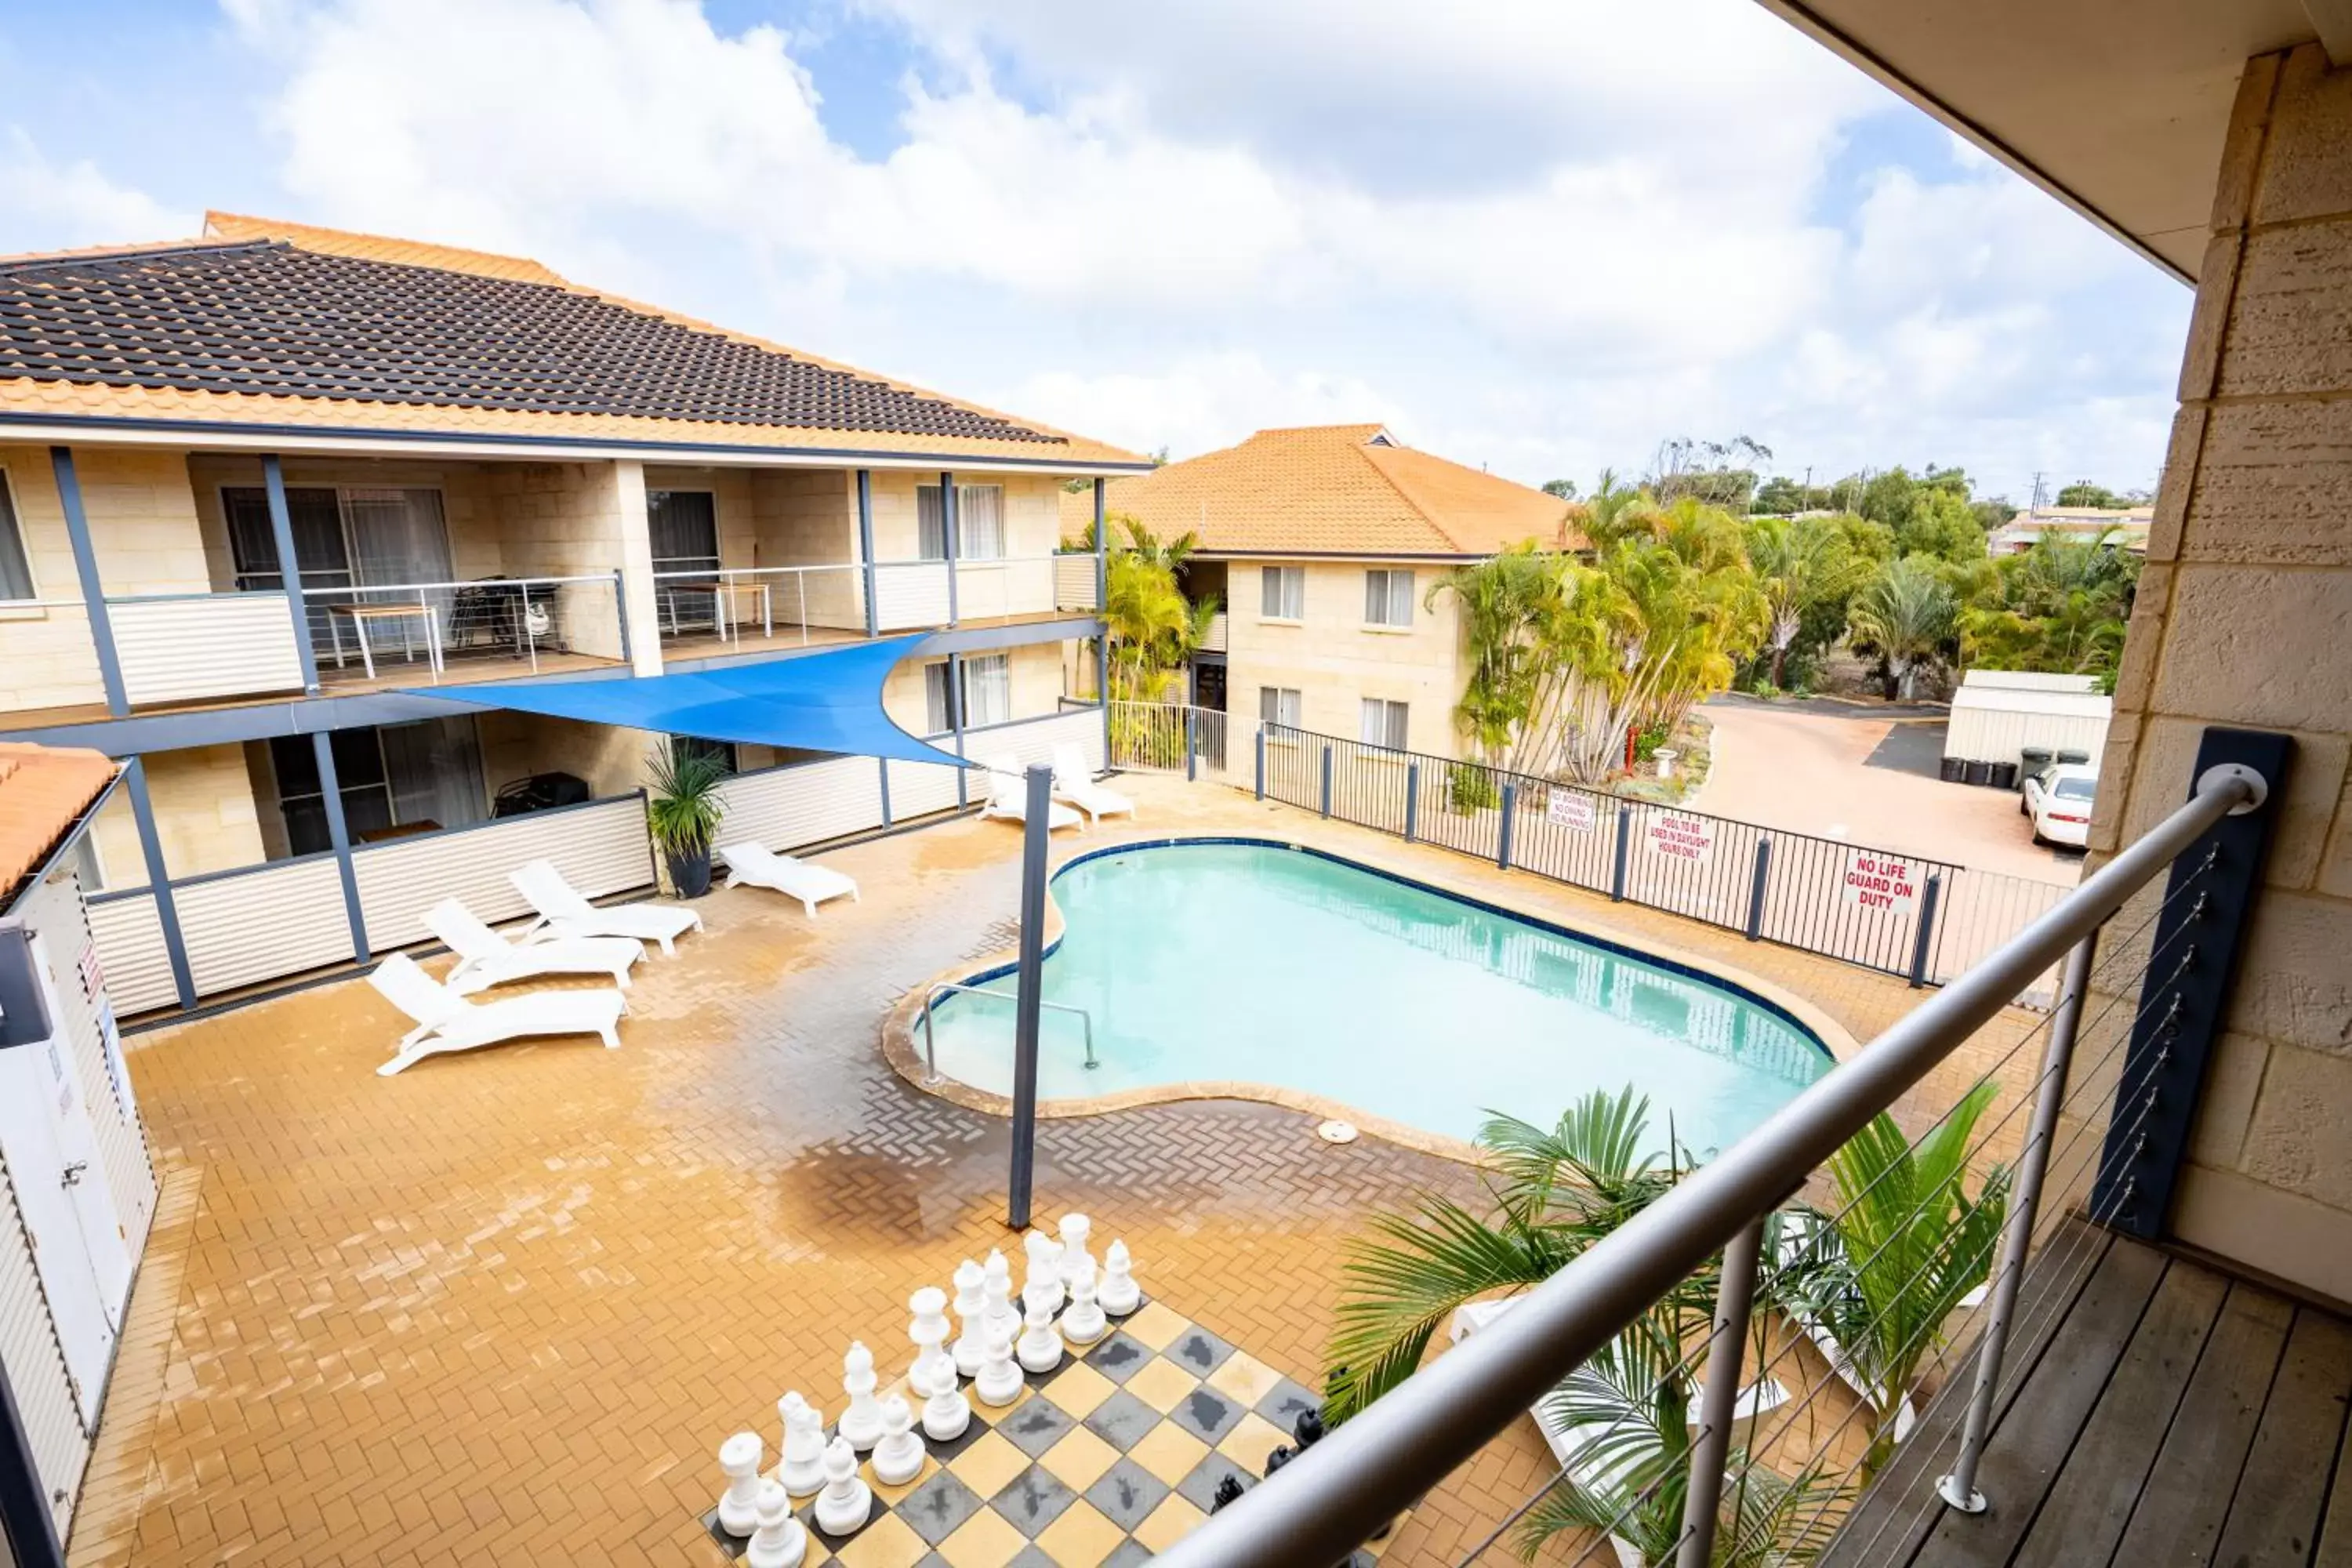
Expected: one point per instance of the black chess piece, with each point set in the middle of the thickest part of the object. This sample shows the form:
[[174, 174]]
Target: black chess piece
[[1282, 1455], [1229, 1489], [1308, 1429]]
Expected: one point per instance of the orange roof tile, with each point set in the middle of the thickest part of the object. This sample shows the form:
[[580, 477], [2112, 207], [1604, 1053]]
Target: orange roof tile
[[1332, 489], [44, 790]]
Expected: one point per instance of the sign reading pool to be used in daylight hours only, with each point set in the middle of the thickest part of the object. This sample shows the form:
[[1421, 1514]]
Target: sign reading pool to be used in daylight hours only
[[1875, 881], [1681, 837]]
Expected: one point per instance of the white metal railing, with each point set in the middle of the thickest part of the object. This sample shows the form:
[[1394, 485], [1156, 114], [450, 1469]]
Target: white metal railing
[[733, 602], [521, 618]]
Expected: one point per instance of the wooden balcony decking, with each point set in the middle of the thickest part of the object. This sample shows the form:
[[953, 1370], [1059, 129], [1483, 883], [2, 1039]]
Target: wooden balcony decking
[[2151, 1411]]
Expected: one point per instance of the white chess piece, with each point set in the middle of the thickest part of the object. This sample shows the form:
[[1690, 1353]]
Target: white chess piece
[[929, 1331], [898, 1457], [803, 1468], [1077, 1230], [1040, 1349], [862, 1422], [846, 1499], [1118, 1293], [1045, 1268], [1002, 1314], [739, 1508], [971, 1307], [946, 1413], [781, 1541], [1082, 1321], [998, 1383]]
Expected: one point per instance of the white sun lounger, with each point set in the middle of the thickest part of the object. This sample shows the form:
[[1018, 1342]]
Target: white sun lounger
[[1008, 799], [562, 912], [485, 959], [763, 868], [1073, 784], [1793, 1243], [447, 1022]]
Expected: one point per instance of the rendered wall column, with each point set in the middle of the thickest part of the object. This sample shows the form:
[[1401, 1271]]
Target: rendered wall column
[[93, 591], [637, 568]]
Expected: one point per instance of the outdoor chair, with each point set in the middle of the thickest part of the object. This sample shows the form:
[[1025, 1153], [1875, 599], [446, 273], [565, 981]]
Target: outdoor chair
[[1008, 799], [562, 912], [1074, 784], [485, 959], [448, 1022], [759, 867]]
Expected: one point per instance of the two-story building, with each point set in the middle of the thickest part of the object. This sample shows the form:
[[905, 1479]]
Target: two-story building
[[1323, 543], [264, 493]]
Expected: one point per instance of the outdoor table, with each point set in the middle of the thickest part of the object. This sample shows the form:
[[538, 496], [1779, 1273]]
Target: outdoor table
[[361, 615]]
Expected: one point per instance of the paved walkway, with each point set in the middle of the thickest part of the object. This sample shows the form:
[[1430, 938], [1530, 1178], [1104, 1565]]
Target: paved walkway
[[505, 1306]]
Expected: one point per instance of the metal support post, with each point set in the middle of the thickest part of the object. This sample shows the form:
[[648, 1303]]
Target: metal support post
[[1720, 1404], [884, 764], [1025, 1009], [290, 568], [93, 591], [866, 549], [1503, 834], [955, 721], [1924, 942], [948, 541], [338, 838], [1192, 747], [1327, 781], [1411, 800], [620, 615], [1261, 762], [1624, 847], [1102, 610], [1959, 1488], [159, 880], [1756, 888]]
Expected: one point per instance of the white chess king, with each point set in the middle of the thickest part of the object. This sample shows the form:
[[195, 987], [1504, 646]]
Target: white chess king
[[971, 1307]]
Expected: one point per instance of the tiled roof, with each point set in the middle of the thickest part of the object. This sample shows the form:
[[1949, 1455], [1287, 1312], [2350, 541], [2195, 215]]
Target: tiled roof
[[266, 318], [43, 792], [1332, 489]]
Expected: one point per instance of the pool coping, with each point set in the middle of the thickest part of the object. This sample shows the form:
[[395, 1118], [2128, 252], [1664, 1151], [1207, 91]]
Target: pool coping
[[901, 1051]]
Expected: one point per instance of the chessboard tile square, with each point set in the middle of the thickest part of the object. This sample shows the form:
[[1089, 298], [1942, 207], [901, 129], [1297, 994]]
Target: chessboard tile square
[[1078, 1389], [989, 1464], [1206, 1413], [1035, 1426], [1201, 1487], [973, 1431], [1119, 1357], [994, 1415], [1081, 1538], [1251, 1440], [1126, 1494], [1170, 1522], [1127, 1553], [1245, 1377], [1162, 1384], [1032, 1556], [806, 1512], [1033, 1499], [1286, 1403], [1169, 1452], [938, 1506], [888, 1543], [1198, 1352], [1154, 1326], [892, 1496], [1122, 1420], [1079, 1460], [986, 1540]]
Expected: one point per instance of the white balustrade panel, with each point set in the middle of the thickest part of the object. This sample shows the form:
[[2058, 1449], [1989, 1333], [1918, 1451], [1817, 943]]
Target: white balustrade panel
[[1074, 581], [911, 593], [783, 808], [264, 923], [224, 644], [130, 939], [601, 849]]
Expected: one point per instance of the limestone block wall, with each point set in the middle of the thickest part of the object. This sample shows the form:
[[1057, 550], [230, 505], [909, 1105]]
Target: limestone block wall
[[808, 517], [204, 815], [46, 656], [1034, 668], [515, 745], [1335, 661], [2244, 618], [560, 520]]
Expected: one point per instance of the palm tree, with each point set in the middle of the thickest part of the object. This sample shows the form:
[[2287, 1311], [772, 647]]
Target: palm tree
[[1907, 614], [1799, 562], [1502, 603]]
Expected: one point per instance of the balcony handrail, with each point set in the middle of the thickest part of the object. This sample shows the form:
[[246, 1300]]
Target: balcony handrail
[[706, 572], [1336, 1494], [604, 577]]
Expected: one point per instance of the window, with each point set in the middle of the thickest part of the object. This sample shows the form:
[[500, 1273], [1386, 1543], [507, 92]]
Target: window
[[1384, 723], [15, 567], [1284, 592], [2076, 788], [938, 717], [1388, 598], [418, 776], [987, 693], [683, 527], [1278, 705], [979, 524]]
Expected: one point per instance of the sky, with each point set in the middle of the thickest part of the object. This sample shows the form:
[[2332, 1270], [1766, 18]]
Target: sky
[[1540, 235]]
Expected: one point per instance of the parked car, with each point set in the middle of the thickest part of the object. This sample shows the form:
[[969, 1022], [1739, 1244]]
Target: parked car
[[2057, 797]]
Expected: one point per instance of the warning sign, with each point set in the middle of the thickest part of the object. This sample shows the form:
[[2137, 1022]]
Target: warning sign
[[1567, 808], [1680, 837], [1874, 880]]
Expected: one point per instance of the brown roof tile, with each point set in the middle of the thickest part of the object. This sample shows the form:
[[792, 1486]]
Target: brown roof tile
[[44, 790]]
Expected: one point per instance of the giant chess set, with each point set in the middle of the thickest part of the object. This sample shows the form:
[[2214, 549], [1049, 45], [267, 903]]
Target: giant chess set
[[1083, 1425]]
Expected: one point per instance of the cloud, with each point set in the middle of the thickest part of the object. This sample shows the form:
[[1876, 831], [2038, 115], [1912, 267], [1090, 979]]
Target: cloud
[[46, 205], [1199, 402]]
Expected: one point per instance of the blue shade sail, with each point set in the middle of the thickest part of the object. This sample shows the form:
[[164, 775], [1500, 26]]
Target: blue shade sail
[[829, 702]]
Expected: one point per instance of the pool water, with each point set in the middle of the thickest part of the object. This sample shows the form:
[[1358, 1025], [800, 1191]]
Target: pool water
[[1273, 966]]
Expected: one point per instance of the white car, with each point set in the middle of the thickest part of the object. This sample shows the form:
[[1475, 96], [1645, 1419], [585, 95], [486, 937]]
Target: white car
[[2057, 797]]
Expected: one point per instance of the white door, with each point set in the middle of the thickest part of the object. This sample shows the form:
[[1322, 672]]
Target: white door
[[78, 1244]]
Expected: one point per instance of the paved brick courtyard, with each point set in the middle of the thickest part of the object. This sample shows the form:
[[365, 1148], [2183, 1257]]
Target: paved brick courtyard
[[505, 1307]]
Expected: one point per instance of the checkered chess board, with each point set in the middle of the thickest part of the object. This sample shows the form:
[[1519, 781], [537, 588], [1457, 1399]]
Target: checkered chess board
[[1109, 1457]]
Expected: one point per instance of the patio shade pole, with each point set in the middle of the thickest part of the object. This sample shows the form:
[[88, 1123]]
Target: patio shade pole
[[1026, 1010]]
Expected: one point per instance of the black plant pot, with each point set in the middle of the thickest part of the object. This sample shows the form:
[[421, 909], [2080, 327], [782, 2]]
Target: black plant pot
[[689, 872]]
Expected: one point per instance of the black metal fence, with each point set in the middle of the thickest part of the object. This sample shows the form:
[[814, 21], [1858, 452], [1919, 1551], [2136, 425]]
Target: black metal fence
[[1872, 907]]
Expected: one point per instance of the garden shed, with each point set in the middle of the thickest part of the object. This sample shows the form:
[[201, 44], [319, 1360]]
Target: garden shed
[[1997, 713]]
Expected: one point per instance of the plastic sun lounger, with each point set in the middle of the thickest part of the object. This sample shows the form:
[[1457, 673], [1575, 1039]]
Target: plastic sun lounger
[[562, 912], [1008, 799], [763, 867], [447, 1022], [485, 959], [1073, 784], [1840, 1365]]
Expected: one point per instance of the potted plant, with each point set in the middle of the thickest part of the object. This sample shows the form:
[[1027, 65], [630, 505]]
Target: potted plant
[[683, 815]]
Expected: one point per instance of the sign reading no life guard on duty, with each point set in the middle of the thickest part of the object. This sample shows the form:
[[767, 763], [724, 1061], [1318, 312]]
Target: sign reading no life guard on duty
[[1680, 837], [1874, 880]]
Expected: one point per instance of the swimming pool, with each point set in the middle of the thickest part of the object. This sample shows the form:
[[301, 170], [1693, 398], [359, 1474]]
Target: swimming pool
[[1271, 964]]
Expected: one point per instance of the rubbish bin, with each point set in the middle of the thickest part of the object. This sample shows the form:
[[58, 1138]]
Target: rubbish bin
[[1665, 760], [1980, 772], [2036, 759], [2004, 775], [1952, 770], [2074, 758]]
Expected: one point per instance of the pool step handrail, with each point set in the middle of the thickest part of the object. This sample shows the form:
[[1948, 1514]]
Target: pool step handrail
[[1338, 1493], [930, 1049]]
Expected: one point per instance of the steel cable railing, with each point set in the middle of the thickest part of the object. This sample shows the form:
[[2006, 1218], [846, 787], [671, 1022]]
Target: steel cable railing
[[1336, 1493]]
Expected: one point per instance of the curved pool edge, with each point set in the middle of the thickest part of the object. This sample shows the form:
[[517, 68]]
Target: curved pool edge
[[903, 1052]]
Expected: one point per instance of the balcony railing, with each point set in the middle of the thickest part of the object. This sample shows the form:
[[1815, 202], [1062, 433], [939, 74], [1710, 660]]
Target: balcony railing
[[1798, 1293], [759, 606], [1005, 586], [484, 627], [1074, 581]]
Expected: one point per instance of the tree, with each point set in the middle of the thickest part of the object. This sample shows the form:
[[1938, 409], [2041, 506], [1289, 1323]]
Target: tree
[[1153, 628], [1906, 614], [1940, 523], [1799, 563], [2083, 492], [1719, 473], [1504, 603], [2061, 605], [1564, 488]]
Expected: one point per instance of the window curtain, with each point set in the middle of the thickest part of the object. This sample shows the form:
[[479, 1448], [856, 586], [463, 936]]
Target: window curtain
[[16, 570], [1388, 598], [987, 690], [683, 526], [930, 524], [937, 719], [318, 525], [1283, 593], [980, 522], [435, 772], [398, 539]]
